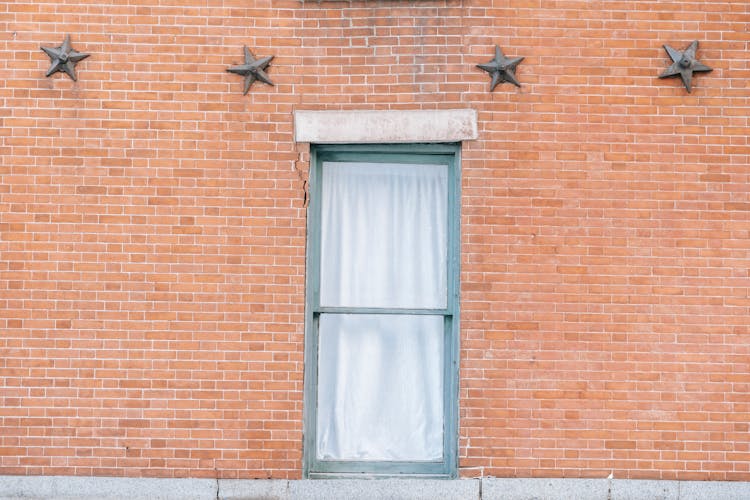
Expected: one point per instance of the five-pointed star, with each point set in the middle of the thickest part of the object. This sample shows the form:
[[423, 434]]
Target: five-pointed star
[[501, 68], [684, 64], [252, 69], [64, 58]]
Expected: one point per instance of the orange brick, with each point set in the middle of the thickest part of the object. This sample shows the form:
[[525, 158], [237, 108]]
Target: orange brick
[[152, 234]]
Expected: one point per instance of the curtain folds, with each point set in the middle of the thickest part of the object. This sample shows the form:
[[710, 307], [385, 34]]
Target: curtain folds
[[380, 376], [380, 387], [384, 235]]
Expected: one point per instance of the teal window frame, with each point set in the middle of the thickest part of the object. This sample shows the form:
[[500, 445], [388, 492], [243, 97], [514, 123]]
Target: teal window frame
[[439, 153]]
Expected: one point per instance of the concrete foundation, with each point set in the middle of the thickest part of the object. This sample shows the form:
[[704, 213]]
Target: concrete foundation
[[110, 488]]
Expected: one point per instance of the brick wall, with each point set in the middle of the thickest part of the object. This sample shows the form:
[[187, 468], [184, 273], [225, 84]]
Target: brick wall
[[152, 231]]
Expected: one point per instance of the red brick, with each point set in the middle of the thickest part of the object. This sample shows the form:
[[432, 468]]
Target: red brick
[[152, 242]]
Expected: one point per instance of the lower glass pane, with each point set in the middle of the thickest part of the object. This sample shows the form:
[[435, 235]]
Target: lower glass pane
[[380, 387]]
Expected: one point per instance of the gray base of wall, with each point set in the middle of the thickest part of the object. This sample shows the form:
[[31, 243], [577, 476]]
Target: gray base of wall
[[111, 488]]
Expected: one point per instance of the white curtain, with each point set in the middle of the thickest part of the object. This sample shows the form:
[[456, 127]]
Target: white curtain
[[380, 376], [383, 239], [380, 389]]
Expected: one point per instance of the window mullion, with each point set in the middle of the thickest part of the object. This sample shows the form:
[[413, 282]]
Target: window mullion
[[380, 310]]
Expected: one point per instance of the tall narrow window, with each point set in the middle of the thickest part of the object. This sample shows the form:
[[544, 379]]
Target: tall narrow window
[[381, 343]]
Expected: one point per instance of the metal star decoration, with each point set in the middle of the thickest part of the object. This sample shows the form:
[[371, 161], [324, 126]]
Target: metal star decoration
[[684, 64], [252, 69], [64, 58], [502, 69]]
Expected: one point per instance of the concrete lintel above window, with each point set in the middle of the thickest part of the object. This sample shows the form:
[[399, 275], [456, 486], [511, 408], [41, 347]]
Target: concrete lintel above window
[[359, 127]]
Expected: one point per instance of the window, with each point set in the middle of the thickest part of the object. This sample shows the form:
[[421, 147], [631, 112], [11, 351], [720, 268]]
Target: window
[[382, 311]]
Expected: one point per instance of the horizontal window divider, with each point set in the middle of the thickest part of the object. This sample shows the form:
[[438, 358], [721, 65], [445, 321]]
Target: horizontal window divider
[[381, 310]]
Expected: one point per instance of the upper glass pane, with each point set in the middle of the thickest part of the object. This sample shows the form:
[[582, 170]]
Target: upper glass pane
[[384, 235]]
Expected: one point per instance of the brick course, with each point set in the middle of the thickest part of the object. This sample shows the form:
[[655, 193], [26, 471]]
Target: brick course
[[152, 231]]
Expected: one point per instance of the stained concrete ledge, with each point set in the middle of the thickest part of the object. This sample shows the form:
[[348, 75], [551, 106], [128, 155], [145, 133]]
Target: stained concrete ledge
[[411, 489], [241, 489], [111, 488], [544, 489], [628, 489], [358, 127], [105, 488], [708, 490]]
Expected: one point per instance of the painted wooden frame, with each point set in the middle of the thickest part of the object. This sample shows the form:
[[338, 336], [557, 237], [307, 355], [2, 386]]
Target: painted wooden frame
[[449, 155]]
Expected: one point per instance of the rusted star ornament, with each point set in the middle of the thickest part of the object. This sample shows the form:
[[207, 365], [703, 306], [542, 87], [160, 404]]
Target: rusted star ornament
[[64, 58], [252, 70], [684, 64], [502, 69]]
